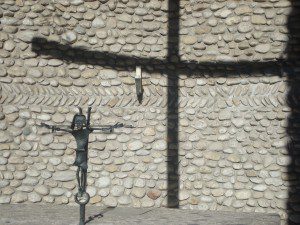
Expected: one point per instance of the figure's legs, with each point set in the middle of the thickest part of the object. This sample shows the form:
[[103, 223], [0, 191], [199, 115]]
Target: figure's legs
[[82, 197], [81, 159]]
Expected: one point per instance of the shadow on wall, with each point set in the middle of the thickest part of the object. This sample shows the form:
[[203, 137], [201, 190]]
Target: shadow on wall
[[293, 127], [173, 67]]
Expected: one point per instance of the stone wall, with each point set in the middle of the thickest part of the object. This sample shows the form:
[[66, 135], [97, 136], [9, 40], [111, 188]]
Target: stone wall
[[233, 119]]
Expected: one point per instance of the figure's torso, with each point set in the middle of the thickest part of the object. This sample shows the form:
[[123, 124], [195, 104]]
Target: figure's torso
[[82, 138]]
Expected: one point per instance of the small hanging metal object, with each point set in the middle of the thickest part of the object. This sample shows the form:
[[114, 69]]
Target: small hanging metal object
[[138, 83]]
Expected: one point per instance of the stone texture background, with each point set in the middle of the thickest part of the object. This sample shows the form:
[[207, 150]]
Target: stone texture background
[[233, 121]]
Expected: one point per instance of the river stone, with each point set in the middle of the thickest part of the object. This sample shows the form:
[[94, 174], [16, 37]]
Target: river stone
[[33, 172], [212, 155], [260, 187], [34, 197], [3, 161], [245, 27], [238, 122], [17, 71], [263, 48], [31, 181], [150, 40], [117, 190], [5, 199], [19, 175], [243, 194], [57, 191], [149, 131], [281, 20], [26, 36], [9, 45], [128, 182], [159, 145], [19, 197], [234, 158], [138, 192], [95, 199], [76, 2], [274, 181], [154, 194], [26, 146], [135, 145], [125, 18], [150, 26], [98, 23], [107, 74], [34, 72], [102, 34], [103, 182], [110, 201], [45, 174], [4, 137], [258, 20], [41, 189], [210, 39], [142, 152], [64, 176], [215, 146], [243, 9], [189, 40], [133, 39], [44, 117], [47, 139], [223, 13], [91, 190], [147, 202], [89, 73], [69, 37], [124, 200], [225, 115], [127, 167], [3, 183], [58, 146]]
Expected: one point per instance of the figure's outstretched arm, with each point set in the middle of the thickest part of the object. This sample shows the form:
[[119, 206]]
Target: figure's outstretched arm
[[110, 128], [56, 128]]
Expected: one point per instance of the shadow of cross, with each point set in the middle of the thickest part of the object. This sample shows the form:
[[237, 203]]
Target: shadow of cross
[[173, 66]]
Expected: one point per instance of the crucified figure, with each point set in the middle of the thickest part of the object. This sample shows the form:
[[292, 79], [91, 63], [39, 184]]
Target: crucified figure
[[81, 129]]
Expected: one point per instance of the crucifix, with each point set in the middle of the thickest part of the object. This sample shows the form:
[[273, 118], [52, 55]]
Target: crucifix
[[81, 129], [173, 65]]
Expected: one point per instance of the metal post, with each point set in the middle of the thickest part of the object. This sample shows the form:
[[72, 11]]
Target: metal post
[[82, 214]]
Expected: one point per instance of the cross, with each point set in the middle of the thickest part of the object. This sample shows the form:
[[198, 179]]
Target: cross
[[173, 67], [81, 129]]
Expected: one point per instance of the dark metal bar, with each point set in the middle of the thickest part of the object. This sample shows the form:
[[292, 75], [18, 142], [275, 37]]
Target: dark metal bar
[[82, 214]]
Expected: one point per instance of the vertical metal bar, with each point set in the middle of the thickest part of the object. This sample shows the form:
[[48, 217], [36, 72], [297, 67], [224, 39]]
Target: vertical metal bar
[[82, 214]]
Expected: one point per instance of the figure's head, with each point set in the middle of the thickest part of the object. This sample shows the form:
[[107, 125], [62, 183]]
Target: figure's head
[[79, 122]]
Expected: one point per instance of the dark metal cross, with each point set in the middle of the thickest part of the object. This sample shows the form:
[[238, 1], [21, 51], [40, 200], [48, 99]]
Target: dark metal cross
[[172, 65], [81, 129]]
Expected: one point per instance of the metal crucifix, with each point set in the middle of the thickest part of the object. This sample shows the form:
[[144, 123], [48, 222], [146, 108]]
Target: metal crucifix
[[80, 129]]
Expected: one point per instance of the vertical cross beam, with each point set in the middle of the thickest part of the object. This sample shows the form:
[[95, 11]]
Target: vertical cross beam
[[172, 110]]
